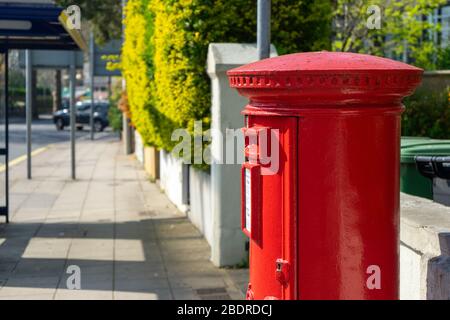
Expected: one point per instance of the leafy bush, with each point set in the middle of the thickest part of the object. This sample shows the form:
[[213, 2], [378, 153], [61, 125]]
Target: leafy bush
[[401, 22], [443, 61], [114, 113], [427, 114], [165, 50], [137, 69], [115, 118]]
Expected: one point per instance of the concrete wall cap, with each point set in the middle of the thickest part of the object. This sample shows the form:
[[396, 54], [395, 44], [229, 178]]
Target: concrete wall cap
[[425, 226], [225, 56], [437, 73]]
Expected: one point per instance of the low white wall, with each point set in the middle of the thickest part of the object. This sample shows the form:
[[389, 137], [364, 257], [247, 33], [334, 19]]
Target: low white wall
[[138, 147], [424, 250], [200, 211], [229, 244], [173, 180]]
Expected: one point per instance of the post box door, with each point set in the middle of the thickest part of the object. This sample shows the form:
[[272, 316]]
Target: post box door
[[269, 201]]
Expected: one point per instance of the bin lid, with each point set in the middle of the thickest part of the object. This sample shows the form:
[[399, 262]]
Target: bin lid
[[417, 146]]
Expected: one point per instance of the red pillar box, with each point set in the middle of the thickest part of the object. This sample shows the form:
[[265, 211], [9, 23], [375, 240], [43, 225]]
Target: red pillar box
[[325, 223]]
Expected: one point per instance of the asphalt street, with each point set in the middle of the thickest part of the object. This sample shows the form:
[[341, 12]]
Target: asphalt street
[[43, 134]]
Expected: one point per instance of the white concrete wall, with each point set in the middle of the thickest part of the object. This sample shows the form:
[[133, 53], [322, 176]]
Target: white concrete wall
[[228, 243], [138, 147], [200, 212], [172, 179], [424, 250], [410, 273]]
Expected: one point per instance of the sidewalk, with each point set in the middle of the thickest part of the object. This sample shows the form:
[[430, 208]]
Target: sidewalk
[[120, 229]]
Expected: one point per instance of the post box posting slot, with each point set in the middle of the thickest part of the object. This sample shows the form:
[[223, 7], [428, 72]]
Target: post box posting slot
[[251, 216], [257, 144]]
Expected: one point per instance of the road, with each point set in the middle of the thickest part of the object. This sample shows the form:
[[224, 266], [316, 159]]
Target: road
[[43, 134]]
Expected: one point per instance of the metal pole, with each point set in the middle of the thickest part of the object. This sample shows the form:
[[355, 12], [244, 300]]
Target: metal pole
[[72, 112], [29, 106], [127, 131], [109, 87], [92, 61], [7, 134], [263, 32]]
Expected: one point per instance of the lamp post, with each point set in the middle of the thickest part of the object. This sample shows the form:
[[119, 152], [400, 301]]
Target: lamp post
[[29, 107], [73, 80], [92, 85], [127, 131], [263, 33]]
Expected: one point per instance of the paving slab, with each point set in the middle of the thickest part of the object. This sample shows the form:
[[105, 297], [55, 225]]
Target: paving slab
[[127, 239]]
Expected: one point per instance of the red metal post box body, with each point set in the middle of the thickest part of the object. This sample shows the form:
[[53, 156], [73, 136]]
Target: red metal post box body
[[326, 225]]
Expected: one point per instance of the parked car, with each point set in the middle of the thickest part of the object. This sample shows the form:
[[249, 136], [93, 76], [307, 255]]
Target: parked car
[[61, 118]]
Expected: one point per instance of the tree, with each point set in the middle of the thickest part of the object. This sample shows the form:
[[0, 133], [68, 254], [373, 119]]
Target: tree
[[105, 16], [405, 30]]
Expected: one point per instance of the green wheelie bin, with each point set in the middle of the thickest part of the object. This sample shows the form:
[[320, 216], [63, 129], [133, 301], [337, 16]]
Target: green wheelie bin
[[411, 180]]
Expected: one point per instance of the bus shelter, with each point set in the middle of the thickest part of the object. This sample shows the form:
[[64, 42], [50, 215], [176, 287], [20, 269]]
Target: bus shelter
[[36, 27]]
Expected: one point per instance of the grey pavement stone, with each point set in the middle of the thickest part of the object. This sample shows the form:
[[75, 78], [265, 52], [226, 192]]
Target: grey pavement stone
[[119, 295], [192, 268], [6, 267], [185, 294], [139, 270], [32, 282], [197, 282], [240, 279], [127, 238], [141, 284], [66, 294], [39, 268], [186, 257], [32, 297], [25, 286]]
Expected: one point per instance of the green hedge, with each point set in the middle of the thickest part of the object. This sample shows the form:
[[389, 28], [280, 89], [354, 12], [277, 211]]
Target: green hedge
[[427, 114], [165, 50], [137, 67], [114, 114]]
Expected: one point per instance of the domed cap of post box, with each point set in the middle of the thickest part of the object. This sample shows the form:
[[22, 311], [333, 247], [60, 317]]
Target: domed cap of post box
[[330, 78]]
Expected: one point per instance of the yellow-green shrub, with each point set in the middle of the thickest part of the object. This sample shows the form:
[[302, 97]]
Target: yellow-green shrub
[[166, 45], [137, 69]]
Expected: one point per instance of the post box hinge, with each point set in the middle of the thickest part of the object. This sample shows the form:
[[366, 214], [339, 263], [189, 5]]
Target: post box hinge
[[282, 271]]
